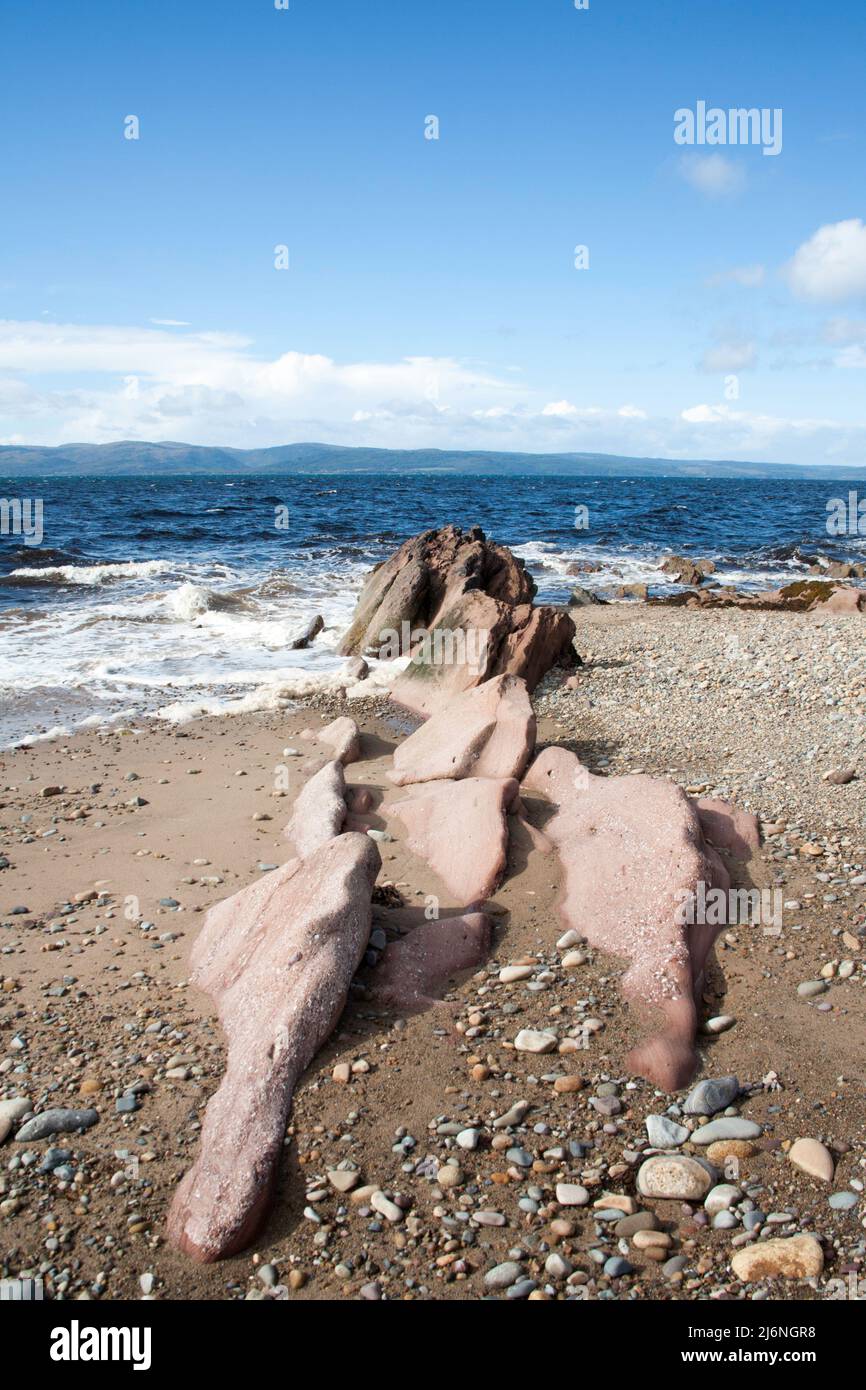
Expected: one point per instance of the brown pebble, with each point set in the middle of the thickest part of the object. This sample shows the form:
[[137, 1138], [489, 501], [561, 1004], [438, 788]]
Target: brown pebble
[[730, 1148], [565, 1084]]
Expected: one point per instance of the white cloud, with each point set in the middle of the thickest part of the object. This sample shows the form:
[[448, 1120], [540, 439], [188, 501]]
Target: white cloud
[[713, 175], [170, 323], [729, 357], [831, 265], [68, 382]]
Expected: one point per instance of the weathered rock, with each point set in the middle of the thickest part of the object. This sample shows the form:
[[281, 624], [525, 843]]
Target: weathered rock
[[357, 668], [686, 571], [307, 633], [803, 595], [277, 958], [722, 1198], [503, 1276], [712, 1095], [633, 856], [730, 1127], [477, 638], [413, 970], [813, 1158], [57, 1121], [794, 1257], [530, 1040], [674, 1176], [721, 1149], [488, 731], [341, 738], [460, 829], [664, 1133], [571, 1194], [319, 810], [461, 607], [10, 1111], [584, 598], [415, 584], [729, 827]]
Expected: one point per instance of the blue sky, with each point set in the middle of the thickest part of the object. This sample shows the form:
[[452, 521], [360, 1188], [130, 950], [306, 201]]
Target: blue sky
[[431, 297]]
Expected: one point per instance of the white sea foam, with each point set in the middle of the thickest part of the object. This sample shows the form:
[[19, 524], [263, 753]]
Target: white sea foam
[[90, 575]]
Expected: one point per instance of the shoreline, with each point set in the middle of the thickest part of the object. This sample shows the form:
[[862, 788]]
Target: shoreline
[[111, 1007]]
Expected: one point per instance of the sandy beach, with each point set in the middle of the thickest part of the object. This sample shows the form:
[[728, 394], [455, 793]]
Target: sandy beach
[[113, 844]]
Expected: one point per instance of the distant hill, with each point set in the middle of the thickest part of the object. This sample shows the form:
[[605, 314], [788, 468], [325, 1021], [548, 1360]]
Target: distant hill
[[139, 457]]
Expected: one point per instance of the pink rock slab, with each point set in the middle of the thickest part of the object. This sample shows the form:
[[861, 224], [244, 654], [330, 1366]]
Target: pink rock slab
[[319, 811], [488, 731], [341, 738], [632, 852], [278, 959], [413, 970], [728, 827], [460, 829]]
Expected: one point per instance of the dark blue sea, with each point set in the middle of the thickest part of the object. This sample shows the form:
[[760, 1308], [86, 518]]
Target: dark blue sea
[[173, 597]]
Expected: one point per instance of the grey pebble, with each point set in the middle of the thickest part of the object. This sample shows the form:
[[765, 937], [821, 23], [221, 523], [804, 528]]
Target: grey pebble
[[50, 1122]]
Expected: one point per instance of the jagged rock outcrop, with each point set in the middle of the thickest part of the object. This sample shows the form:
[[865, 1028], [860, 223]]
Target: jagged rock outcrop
[[414, 970], [319, 811], [461, 607], [488, 731], [633, 853], [460, 829], [277, 958], [414, 585]]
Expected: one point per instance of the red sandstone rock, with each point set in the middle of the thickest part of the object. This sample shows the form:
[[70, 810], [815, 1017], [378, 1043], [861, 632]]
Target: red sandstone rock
[[632, 852], [845, 600], [277, 958], [413, 585], [728, 827], [801, 596], [341, 738], [415, 969], [461, 607], [360, 800], [476, 638], [460, 829], [319, 811], [488, 731]]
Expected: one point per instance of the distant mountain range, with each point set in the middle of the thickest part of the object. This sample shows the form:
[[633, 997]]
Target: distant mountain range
[[137, 457]]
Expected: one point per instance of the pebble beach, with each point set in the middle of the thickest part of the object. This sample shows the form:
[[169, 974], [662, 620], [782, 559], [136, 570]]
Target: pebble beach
[[496, 1145]]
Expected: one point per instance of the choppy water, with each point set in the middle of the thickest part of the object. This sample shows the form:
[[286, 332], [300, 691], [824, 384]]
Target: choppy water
[[172, 594]]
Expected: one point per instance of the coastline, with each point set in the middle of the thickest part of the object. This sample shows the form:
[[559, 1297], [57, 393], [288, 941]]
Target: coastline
[[666, 691]]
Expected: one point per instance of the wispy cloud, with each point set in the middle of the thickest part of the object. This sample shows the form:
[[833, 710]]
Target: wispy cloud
[[751, 277], [730, 357], [713, 175]]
